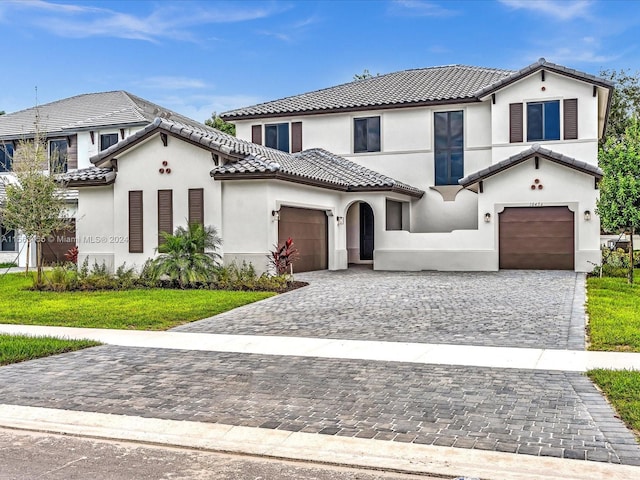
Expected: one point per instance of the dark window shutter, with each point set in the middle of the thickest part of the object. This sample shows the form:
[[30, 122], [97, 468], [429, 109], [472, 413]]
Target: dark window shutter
[[196, 205], [296, 137], [571, 119], [136, 244], [256, 134], [515, 123], [165, 213]]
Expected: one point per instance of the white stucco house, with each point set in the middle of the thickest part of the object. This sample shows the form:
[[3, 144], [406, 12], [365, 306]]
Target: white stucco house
[[76, 128], [443, 168]]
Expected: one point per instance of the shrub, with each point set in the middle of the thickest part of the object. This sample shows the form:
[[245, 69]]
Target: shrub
[[283, 256], [615, 263], [244, 277]]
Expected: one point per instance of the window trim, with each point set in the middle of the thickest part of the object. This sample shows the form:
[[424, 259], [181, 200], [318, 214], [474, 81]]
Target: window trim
[[560, 119], [463, 148], [277, 125], [117, 135], [4, 146], [353, 136], [65, 165]]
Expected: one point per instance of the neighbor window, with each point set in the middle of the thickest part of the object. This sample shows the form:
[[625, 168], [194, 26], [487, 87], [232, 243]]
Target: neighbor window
[[7, 240], [58, 156], [543, 121], [6, 157], [107, 140], [277, 136], [366, 134], [449, 147]]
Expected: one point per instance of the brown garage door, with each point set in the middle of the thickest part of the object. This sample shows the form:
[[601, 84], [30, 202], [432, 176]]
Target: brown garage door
[[308, 229], [537, 238], [59, 243]]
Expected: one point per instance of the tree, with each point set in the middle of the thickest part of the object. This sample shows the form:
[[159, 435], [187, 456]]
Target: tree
[[619, 203], [2, 112], [34, 204], [218, 123], [188, 256], [364, 75], [625, 104]]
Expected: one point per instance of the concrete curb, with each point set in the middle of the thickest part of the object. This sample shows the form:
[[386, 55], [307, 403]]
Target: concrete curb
[[343, 451], [423, 353]]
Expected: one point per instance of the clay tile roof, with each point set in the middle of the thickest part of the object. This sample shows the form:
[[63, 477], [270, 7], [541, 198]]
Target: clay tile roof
[[83, 112], [408, 87], [88, 177], [535, 150]]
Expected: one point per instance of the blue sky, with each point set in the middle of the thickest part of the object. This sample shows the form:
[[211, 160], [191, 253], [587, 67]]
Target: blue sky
[[197, 57]]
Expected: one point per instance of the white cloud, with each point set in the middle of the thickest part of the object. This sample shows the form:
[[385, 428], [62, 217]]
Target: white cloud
[[200, 107], [420, 8], [562, 10], [172, 83], [570, 56], [166, 20]]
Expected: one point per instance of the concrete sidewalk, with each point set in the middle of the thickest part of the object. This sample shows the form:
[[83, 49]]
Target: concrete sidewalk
[[421, 353]]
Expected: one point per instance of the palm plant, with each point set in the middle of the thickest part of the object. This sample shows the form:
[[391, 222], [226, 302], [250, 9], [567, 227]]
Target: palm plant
[[188, 256]]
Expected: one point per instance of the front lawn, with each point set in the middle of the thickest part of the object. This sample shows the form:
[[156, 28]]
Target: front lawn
[[139, 309], [17, 348], [622, 388], [614, 314]]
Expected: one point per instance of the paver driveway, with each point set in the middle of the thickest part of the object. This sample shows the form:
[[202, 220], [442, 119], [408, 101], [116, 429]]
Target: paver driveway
[[505, 308]]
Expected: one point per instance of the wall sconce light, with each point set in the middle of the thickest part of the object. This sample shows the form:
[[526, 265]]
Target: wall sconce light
[[275, 214], [587, 215], [487, 217], [340, 220]]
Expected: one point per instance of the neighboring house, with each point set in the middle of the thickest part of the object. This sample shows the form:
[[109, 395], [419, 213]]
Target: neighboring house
[[444, 168], [75, 128]]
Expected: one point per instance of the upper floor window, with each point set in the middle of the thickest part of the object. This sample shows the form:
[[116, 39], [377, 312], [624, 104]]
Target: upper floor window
[[7, 240], [107, 140], [543, 121], [277, 136], [449, 147], [366, 134], [58, 156], [6, 157]]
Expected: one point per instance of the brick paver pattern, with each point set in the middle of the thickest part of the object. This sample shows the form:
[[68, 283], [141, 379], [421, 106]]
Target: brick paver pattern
[[503, 309], [530, 412]]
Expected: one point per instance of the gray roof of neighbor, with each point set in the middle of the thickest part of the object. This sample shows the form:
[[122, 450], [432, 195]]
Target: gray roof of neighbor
[[419, 86], [83, 112], [247, 159], [434, 85], [535, 150]]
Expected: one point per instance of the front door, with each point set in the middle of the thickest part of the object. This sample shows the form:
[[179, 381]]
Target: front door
[[366, 232]]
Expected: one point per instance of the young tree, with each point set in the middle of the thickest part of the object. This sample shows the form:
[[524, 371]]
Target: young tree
[[34, 204], [364, 75], [619, 203], [218, 123]]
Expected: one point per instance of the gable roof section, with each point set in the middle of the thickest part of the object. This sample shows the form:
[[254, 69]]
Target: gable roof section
[[542, 64], [425, 86], [535, 150], [84, 112], [247, 160]]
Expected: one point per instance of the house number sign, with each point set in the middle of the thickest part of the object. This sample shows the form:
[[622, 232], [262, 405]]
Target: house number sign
[[535, 204]]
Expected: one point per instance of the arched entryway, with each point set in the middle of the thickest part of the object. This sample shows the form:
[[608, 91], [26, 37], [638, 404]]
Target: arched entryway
[[360, 236]]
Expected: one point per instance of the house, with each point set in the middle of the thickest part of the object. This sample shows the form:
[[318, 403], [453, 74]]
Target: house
[[75, 129], [443, 168]]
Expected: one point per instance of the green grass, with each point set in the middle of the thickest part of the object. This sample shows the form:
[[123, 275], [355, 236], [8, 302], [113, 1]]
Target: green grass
[[622, 388], [614, 314], [140, 309], [16, 348], [8, 264]]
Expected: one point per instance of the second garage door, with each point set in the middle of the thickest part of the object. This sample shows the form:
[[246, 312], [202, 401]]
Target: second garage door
[[308, 229], [540, 238]]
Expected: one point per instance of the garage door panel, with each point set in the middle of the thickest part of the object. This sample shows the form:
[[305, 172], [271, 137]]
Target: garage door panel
[[536, 238], [308, 229]]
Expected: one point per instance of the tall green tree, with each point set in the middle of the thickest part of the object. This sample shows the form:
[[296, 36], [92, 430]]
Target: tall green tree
[[364, 75], [625, 104], [619, 203], [2, 112], [218, 123]]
